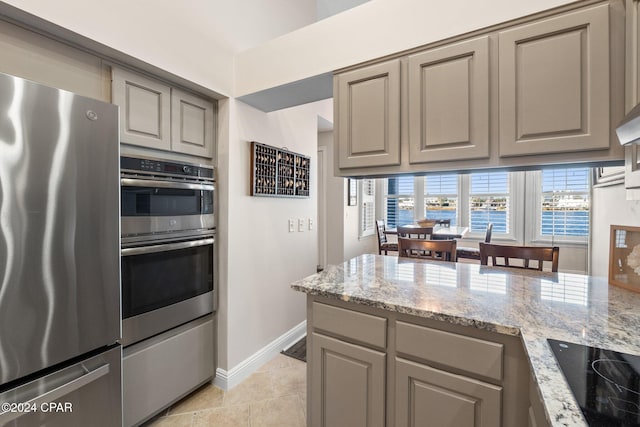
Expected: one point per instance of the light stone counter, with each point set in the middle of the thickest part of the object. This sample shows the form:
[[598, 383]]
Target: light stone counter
[[532, 305]]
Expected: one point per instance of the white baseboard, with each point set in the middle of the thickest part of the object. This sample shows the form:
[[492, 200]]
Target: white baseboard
[[227, 380]]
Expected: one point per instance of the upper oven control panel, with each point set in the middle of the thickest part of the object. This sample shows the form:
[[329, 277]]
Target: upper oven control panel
[[165, 168]]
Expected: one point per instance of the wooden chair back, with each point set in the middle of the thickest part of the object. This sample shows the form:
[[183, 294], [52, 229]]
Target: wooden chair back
[[441, 250], [524, 253], [474, 253], [443, 222], [383, 244], [488, 232], [382, 238], [414, 232]]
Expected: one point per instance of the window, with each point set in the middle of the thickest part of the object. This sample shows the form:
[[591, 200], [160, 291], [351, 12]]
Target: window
[[536, 207], [441, 197], [486, 198], [564, 208], [489, 202], [400, 201], [368, 208]]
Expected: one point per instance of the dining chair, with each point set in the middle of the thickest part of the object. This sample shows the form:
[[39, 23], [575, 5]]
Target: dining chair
[[524, 253], [474, 253], [441, 250], [443, 222], [383, 244], [415, 232]]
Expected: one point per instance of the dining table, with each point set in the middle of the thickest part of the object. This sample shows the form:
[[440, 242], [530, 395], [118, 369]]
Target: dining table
[[439, 231]]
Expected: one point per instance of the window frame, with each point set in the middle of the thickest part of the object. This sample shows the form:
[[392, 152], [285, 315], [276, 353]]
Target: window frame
[[424, 179], [385, 196], [535, 178], [363, 199]]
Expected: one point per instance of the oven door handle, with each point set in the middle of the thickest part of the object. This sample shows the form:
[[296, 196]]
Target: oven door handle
[[166, 247], [129, 182]]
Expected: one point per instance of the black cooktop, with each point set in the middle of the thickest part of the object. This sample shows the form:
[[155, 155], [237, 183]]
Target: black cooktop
[[605, 383]]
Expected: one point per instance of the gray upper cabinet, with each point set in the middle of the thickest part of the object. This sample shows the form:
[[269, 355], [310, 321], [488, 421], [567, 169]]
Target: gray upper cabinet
[[367, 109], [155, 115], [554, 84], [192, 124], [449, 102], [145, 109], [546, 89], [632, 153]]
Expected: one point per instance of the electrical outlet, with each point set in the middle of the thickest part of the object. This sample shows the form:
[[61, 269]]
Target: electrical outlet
[[300, 224], [310, 224], [291, 226]]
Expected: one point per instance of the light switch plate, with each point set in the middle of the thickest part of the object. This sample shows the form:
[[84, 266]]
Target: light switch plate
[[291, 226], [310, 224], [300, 224]]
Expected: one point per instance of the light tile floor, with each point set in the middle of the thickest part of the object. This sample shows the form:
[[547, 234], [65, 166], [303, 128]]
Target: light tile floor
[[275, 395]]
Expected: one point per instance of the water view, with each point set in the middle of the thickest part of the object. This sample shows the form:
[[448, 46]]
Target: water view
[[554, 222]]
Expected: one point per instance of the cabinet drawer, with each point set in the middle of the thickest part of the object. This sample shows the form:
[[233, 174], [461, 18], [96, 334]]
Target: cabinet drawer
[[350, 324], [457, 351], [158, 371]]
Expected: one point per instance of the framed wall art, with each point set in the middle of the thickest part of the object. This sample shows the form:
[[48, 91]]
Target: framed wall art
[[624, 257], [278, 172]]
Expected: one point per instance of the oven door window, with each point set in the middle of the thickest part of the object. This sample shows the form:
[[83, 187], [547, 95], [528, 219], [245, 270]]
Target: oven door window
[[155, 201], [154, 280]]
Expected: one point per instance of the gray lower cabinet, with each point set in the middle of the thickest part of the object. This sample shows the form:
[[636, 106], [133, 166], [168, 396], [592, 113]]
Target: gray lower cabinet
[[367, 116], [372, 367], [449, 102], [426, 396], [554, 84], [347, 384], [156, 115]]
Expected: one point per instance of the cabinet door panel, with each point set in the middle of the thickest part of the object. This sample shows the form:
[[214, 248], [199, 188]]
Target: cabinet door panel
[[192, 124], [554, 84], [347, 384], [449, 102], [368, 114], [430, 397], [632, 152], [144, 109]]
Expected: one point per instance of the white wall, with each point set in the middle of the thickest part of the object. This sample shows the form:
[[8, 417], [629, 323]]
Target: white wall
[[148, 30], [369, 31], [262, 257], [342, 220], [609, 207], [336, 201]]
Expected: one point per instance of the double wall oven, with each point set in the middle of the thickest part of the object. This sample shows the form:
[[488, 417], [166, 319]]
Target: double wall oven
[[168, 243]]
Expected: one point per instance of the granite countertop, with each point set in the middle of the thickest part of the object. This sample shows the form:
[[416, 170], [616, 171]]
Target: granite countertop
[[530, 304]]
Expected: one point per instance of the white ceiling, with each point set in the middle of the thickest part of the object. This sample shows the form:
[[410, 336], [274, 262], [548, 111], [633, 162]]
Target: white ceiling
[[242, 24]]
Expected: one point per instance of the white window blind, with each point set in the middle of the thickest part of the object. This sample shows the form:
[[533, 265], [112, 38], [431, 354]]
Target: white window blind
[[400, 201], [368, 208], [489, 201], [565, 202], [441, 197]]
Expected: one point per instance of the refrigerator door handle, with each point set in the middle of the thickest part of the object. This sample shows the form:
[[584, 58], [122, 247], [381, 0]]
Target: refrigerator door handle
[[57, 393]]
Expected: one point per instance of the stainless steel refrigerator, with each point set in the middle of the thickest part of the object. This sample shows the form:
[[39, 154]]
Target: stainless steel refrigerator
[[59, 258]]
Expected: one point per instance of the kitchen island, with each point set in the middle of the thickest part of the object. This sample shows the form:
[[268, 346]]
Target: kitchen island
[[459, 339]]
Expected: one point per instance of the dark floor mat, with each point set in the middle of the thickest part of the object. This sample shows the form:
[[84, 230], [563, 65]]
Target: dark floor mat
[[298, 350]]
